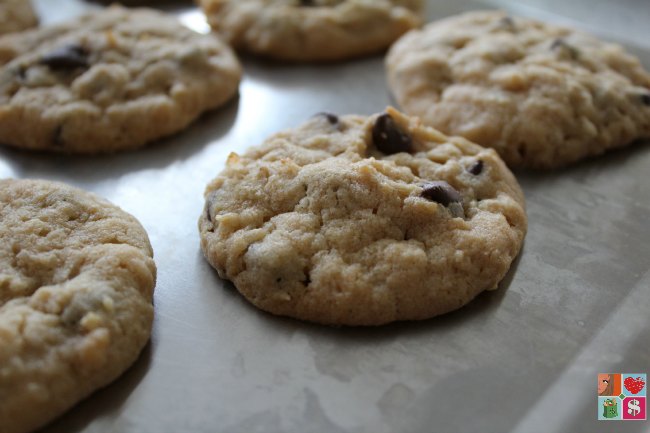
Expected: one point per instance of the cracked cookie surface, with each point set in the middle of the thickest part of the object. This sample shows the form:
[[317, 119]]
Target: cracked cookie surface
[[16, 15], [111, 80], [76, 286], [543, 96], [363, 221], [315, 30]]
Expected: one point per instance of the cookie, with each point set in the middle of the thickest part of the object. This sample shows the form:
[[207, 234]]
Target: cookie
[[314, 30], [363, 221], [16, 15], [76, 286], [111, 80], [148, 3], [543, 96]]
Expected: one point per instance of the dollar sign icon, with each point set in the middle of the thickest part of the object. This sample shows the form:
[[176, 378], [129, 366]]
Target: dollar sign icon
[[633, 407]]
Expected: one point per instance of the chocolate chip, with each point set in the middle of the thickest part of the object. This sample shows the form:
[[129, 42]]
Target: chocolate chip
[[476, 168], [645, 98], [331, 118], [507, 22], [207, 212], [440, 192], [307, 3], [561, 44], [209, 204], [57, 137], [21, 73], [67, 57], [557, 43], [388, 138]]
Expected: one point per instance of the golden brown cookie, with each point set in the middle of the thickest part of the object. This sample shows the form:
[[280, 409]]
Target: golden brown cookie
[[110, 80], [363, 221], [314, 30], [16, 15], [543, 96], [76, 286]]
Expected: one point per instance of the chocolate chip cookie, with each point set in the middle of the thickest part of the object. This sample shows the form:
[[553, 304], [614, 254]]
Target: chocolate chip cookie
[[314, 30], [16, 15], [363, 221], [111, 80], [148, 3], [543, 96], [76, 285]]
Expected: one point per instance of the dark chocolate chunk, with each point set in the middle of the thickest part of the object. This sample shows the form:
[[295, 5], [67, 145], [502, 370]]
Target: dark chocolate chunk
[[209, 204], [307, 3], [388, 138], [561, 44], [57, 137], [440, 192], [67, 57], [476, 168], [507, 22], [331, 118], [21, 73], [645, 98], [557, 43]]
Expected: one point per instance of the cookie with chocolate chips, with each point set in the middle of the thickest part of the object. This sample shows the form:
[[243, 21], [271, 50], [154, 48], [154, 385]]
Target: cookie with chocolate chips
[[314, 30], [543, 96], [76, 286], [351, 220], [16, 15], [111, 80]]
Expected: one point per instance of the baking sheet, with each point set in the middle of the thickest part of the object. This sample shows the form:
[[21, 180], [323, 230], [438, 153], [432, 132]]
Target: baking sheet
[[523, 358]]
